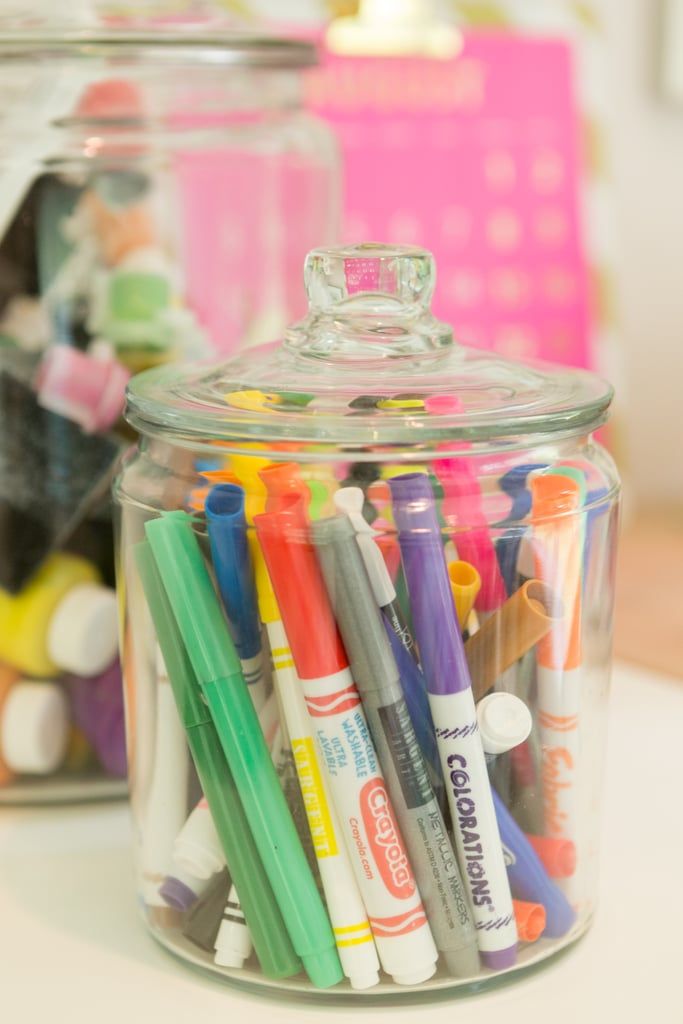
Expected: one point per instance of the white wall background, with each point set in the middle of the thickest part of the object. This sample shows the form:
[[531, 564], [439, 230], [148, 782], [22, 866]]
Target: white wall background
[[647, 156]]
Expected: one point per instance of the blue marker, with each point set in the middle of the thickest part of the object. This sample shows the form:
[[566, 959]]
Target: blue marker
[[514, 484], [227, 527], [528, 878]]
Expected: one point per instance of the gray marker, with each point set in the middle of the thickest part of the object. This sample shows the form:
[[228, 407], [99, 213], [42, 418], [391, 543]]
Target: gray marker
[[376, 676]]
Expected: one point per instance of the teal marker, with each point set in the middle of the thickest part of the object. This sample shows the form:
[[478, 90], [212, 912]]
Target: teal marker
[[216, 664], [268, 931]]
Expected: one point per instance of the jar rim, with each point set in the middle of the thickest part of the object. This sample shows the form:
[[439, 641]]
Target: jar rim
[[219, 47]]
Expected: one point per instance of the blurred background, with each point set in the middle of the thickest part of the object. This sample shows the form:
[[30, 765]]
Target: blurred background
[[535, 146]]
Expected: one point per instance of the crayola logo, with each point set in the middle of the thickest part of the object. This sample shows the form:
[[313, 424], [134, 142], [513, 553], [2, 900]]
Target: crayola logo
[[385, 840]]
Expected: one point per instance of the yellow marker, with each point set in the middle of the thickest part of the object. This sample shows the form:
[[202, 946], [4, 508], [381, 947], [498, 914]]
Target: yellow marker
[[465, 585]]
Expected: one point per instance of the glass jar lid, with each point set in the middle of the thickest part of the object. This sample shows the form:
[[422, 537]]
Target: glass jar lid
[[368, 365]]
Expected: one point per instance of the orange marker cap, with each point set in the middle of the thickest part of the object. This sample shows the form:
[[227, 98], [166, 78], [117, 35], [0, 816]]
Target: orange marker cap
[[558, 856], [530, 919]]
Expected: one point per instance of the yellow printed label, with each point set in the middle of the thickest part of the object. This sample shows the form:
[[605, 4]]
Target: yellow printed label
[[317, 811]]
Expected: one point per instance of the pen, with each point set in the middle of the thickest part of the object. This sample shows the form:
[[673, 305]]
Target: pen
[[348, 916], [271, 940], [404, 942], [226, 524], [216, 665], [450, 696], [376, 675]]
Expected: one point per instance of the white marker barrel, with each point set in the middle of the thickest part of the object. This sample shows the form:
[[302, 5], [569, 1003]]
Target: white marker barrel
[[348, 916], [474, 825], [397, 917]]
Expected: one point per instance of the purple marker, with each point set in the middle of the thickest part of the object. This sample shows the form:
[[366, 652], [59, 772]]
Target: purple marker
[[528, 878], [453, 710]]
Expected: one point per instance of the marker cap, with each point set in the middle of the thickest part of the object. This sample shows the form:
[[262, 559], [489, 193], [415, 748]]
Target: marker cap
[[509, 633], [225, 516], [530, 919], [82, 636], [558, 856], [504, 722], [87, 388], [34, 731], [465, 584]]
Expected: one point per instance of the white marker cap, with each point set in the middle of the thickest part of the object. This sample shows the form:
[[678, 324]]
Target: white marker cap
[[504, 722], [82, 636], [350, 501], [34, 731], [360, 982]]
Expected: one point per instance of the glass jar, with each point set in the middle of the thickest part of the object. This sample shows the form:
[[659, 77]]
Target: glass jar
[[146, 174], [367, 581]]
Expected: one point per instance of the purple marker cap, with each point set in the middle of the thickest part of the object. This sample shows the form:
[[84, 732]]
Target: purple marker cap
[[437, 630], [177, 894], [500, 959]]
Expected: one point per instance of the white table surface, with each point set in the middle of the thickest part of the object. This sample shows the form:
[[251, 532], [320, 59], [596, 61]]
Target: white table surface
[[73, 949]]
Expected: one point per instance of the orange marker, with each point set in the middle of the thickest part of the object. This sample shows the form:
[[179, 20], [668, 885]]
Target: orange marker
[[530, 919], [557, 536]]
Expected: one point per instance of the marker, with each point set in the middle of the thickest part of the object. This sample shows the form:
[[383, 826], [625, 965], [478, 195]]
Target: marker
[[197, 850], [227, 527], [233, 941], [507, 634], [271, 940], [166, 806], [462, 508], [450, 696], [404, 942], [349, 500], [376, 675], [528, 878], [216, 664], [557, 532], [34, 728]]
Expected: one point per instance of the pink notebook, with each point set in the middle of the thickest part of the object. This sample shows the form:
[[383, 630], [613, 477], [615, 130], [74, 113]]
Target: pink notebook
[[478, 159]]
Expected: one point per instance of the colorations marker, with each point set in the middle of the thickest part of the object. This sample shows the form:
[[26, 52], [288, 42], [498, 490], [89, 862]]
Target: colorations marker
[[450, 696], [399, 924]]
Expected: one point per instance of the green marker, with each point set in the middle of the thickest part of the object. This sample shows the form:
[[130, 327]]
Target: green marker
[[217, 667], [268, 931]]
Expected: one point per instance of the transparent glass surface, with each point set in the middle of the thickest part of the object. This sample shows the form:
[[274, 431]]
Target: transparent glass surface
[[366, 681], [146, 173]]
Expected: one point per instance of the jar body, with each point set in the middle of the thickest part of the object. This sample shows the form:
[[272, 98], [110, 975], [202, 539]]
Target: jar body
[[144, 191], [376, 667]]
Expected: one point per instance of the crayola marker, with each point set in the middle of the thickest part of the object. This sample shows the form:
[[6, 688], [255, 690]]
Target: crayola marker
[[385, 878], [556, 501], [349, 919], [450, 696]]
